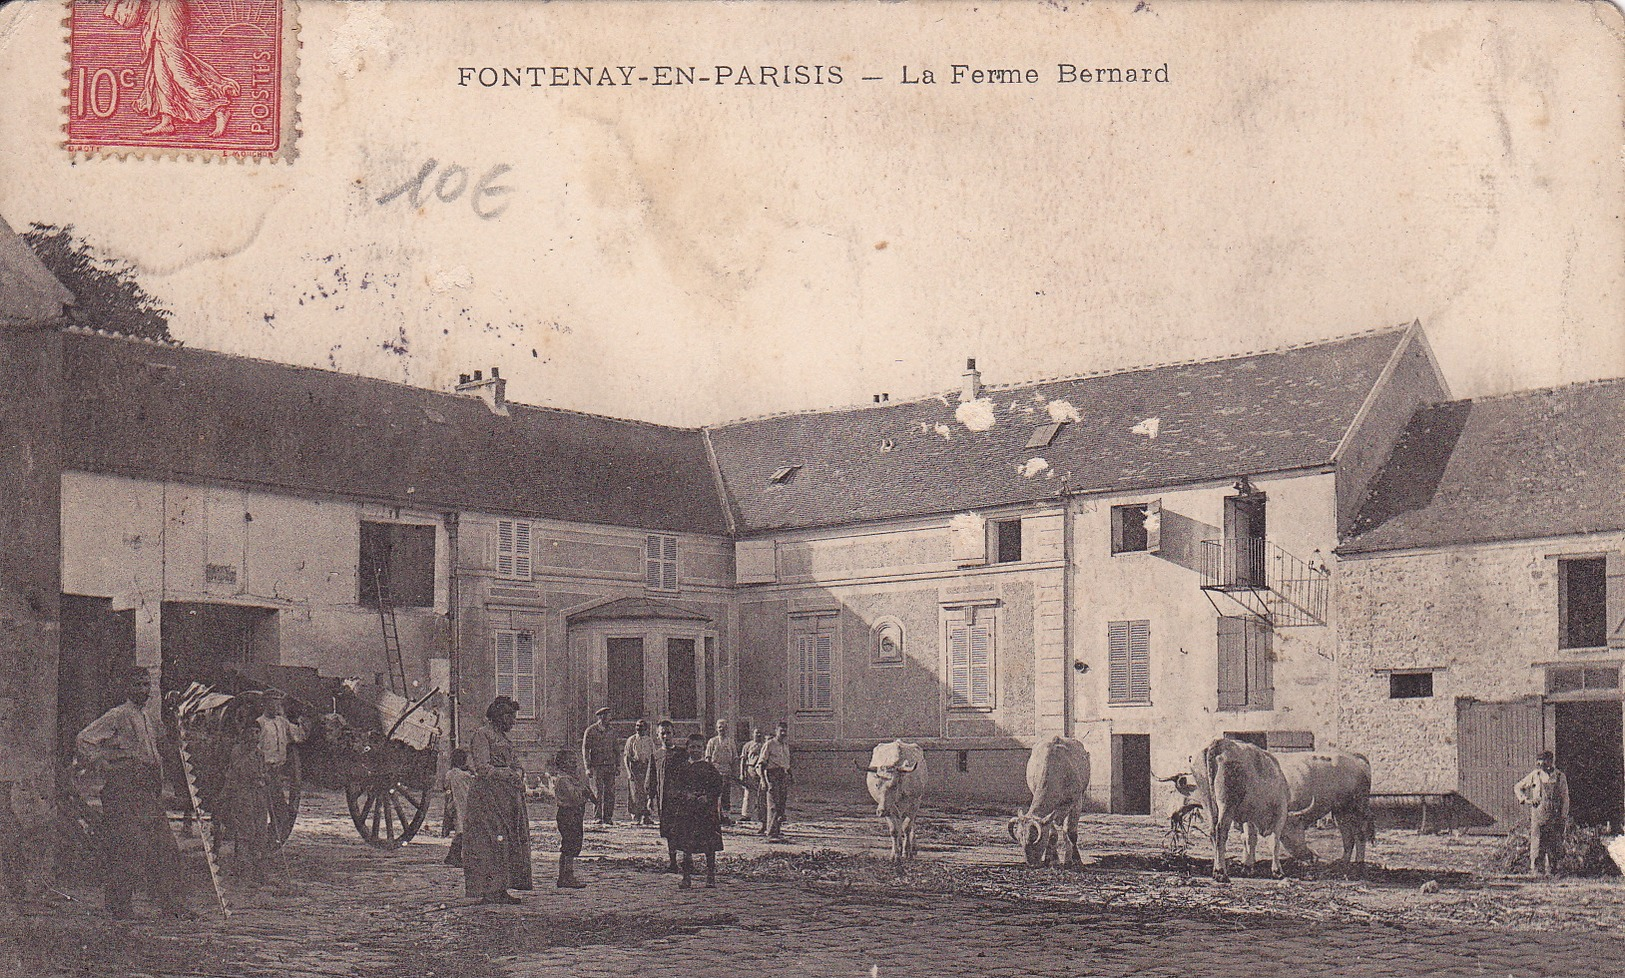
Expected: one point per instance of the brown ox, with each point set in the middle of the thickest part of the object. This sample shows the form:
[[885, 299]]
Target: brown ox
[[1058, 777]]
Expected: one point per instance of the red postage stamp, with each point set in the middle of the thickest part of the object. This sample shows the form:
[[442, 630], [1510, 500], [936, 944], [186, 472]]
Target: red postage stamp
[[199, 77]]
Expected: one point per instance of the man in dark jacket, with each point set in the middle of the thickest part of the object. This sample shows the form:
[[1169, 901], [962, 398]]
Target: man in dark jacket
[[669, 754]]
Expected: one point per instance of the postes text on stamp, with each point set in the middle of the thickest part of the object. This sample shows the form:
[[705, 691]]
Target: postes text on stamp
[[200, 77]]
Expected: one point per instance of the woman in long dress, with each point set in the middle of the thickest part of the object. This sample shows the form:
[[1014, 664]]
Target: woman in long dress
[[496, 835]]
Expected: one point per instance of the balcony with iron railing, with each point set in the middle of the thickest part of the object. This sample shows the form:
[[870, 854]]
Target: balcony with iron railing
[[1266, 581]]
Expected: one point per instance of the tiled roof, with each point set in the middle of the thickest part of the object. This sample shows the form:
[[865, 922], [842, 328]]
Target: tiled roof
[[1523, 466], [147, 409], [1141, 428], [29, 293]]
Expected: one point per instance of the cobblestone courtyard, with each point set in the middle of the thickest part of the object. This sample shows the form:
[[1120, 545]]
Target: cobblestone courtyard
[[827, 904]]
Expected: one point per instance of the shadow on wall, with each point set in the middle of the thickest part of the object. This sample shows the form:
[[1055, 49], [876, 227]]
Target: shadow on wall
[[1182, 539], [851, 672]]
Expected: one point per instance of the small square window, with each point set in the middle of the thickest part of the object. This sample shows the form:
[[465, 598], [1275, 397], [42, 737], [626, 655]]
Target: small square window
[[1128, 529], [1044, 434], [1410, 685], [1008, 541]]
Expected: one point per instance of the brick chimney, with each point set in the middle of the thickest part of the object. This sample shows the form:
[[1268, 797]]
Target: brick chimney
[[972, 388], [493, 390]]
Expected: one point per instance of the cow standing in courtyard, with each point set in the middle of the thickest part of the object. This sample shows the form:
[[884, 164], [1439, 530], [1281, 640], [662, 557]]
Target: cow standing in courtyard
[[1242, 785], [1328, 782], [898, 781], [1058, 777]]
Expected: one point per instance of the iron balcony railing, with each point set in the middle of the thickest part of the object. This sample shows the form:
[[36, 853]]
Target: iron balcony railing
[[1270, 582]]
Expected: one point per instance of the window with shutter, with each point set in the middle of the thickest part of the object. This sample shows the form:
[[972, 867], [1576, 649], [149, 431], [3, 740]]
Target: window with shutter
[[813, 644], [513, 550], [660, 563], [516, 669], [1128, 662], [1246, 664], [971, 662]]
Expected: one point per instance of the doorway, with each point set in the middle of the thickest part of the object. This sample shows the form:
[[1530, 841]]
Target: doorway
[[1589, 750], [98, 644], [202, 641], [1244, 535], [1131, 774]]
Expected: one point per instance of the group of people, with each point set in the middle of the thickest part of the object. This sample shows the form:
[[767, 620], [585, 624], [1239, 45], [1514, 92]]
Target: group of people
[[761, 767], [255, 771], [683, 786]]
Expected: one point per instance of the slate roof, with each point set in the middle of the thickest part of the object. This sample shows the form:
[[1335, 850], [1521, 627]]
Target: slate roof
[[1534, 464], [148, 409], [1249, 414], [29, 293]]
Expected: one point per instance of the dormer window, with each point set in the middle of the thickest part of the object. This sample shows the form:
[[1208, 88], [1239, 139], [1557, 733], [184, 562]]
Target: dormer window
[[784, 475], [1044, 434]]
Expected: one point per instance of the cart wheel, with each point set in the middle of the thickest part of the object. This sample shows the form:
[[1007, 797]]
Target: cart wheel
[[387, 812]]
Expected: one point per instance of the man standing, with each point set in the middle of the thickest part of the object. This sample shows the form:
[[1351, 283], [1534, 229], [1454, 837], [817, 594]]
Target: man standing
[[278, 734], [639, 751], [774, 763], [134, 829], [1546, 791], [755, 803], [721, 752], [600, 756], [669, 754]]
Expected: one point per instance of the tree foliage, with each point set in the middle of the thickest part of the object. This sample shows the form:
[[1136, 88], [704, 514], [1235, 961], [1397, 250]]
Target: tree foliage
[[107, 294]]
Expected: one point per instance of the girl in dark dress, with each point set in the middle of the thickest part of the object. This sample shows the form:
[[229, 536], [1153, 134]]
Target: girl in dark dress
[[697, 797]]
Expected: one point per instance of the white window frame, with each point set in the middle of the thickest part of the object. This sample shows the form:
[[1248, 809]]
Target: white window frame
[[972, 673], [514, 549], [1128, 669], [660, 559], [512, 680], [812, 658]]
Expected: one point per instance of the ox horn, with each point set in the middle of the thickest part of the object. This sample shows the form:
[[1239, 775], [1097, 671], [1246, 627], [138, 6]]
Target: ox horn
[[1303, 811], [907, 767], [1011, 828]]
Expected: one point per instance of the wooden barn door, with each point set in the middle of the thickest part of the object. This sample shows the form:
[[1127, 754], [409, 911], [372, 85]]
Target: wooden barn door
[[1496, 746]]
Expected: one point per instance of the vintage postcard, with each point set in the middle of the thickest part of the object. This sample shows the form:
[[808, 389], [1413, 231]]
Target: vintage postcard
[[820, 489]]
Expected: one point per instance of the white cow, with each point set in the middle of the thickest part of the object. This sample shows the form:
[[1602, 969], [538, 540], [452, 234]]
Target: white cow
[[1328, 782], [1241, 785], [898, 780], [1058, 777]]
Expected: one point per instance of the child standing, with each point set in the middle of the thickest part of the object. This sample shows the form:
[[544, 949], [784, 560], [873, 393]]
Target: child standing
[[571, 794]]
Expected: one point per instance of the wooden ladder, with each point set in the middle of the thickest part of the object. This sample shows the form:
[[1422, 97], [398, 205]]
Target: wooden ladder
[[392, 632]]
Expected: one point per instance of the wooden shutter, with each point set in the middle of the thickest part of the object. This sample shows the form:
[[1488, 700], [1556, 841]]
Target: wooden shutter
[[959, 656], [524, 672], [756, 562], [969, 536], [981, 662], [668, 563], [505, 642], [823, 670], [1153, 526], [1260, 667], [1614, 600], [1117, 655], [1139, 661], [513, 549], [1232, 663]]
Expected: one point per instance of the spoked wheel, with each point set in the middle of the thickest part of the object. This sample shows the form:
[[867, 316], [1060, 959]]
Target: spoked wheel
[[387, 811]]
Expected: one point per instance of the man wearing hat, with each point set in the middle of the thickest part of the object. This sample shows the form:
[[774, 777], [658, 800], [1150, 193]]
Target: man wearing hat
[[600, 756], [278, 734], [138, 846], [1546, 791]]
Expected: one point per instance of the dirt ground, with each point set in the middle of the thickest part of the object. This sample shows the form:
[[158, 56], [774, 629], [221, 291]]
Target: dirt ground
[[830, 902]]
